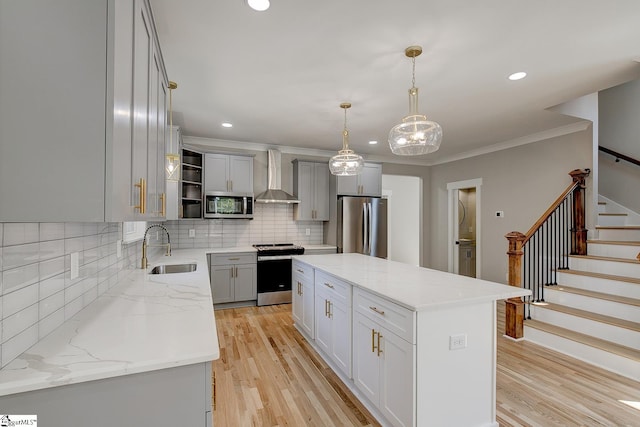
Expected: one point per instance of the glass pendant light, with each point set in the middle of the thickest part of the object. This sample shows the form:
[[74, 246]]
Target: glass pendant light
[[415, 135], [172, 157], [346, 162]]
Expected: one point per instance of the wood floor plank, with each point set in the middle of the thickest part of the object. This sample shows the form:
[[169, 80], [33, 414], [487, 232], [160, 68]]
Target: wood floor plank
[[268, 375]]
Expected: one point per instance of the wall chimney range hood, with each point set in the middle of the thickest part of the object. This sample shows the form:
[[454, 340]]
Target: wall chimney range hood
[[274, 193]]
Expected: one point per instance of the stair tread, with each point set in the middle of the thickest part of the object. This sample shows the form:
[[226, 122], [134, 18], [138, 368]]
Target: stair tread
[[601, 344], [600, 295], [606, 258], [618, 227], [614, 242], [602, 276], [613, 214], [614, 321]]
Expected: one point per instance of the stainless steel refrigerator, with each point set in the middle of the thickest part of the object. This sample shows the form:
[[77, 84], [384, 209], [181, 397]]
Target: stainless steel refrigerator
[[362, 225]]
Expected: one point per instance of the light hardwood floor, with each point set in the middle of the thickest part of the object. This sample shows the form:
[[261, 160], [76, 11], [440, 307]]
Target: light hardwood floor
[[268, 375]]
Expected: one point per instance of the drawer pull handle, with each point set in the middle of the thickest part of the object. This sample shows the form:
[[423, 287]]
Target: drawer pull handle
[[329, 285], [234, 259], [380, 312], [299, 271]]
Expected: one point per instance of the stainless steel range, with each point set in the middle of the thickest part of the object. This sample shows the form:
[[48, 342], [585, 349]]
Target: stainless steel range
[[274, 272]]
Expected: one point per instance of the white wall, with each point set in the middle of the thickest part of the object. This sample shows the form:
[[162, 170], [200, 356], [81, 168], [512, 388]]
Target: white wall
[[404, 194], [521, 181]]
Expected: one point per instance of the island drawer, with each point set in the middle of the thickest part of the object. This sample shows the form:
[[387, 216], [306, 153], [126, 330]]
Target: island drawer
[[233, 258], [302, 271], [392, 316], [338, 288]]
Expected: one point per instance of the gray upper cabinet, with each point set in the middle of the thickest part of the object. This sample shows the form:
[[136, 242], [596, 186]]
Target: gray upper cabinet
[[311, 187], [230, 173], [368, 183], [82, 112]]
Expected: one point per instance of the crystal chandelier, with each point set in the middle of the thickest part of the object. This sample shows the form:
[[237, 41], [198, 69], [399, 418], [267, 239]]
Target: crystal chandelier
[[415, 135], [172, 157], [346, 162]]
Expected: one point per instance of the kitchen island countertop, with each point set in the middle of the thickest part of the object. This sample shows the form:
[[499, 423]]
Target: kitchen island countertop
[[145, 323], [415, 288]]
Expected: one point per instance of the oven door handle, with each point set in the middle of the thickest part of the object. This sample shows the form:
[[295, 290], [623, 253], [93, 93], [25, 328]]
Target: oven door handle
[[273, 257]]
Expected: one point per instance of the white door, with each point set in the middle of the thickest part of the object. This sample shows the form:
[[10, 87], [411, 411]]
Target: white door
[[241, 174], [366, 363], [308, 315], [216, 172], [323, 321], [397, 379], [341, 336]]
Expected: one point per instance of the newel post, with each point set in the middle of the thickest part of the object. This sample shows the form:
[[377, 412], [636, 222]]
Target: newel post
[[514, 307], [579, 246]]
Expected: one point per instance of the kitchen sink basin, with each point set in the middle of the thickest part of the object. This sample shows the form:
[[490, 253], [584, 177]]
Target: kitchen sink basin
[[173, 268]]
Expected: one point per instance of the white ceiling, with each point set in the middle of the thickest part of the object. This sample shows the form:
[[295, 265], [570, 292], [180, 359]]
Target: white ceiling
[[280, 75]]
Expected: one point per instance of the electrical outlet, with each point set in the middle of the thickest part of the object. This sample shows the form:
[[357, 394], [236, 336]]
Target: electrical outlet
[[457, 342], [192, 232], [499, 214], [308, 232]]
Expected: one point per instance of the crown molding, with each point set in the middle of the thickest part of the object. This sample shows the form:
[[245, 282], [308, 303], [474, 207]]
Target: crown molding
[[523, 140]]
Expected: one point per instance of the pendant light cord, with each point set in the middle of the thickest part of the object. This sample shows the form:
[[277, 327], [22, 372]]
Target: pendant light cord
[[345, 132], [413, 79]]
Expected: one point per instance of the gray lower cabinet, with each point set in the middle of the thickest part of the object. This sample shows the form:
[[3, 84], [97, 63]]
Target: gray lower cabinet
[[180, 396], [233, 277], [90, 119]]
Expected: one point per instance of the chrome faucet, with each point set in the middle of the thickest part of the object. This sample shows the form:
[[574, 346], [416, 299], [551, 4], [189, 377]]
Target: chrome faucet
[[145, 245]]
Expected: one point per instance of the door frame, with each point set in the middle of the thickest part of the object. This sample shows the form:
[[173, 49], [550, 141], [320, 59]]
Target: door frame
[[452, 190]]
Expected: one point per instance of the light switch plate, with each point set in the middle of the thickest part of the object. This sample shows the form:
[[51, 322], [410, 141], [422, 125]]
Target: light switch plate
[[192, 232]]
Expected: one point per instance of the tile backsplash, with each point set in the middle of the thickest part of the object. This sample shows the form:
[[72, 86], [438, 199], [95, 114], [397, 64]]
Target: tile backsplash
[[272, 223], [37, 293]]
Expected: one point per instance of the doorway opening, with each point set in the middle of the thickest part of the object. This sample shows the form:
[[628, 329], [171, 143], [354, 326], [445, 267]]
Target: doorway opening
[[464, 227]]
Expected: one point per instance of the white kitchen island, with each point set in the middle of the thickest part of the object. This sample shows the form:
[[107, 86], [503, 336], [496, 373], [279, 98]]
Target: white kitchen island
[[139, 355], [417, 346]]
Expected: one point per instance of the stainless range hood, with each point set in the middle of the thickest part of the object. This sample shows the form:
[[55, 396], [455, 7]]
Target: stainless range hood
[[274, 193]]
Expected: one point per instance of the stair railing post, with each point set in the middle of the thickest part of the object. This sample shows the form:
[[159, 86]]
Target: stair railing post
[[579, 242], [514, 307]]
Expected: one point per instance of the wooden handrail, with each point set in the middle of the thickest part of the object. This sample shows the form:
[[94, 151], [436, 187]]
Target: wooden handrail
[[578, 176], [619, 155]]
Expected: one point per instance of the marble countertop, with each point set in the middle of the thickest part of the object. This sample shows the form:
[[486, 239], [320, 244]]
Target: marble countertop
[[145, 323], [233, 250], [311, 247], [415, 288]]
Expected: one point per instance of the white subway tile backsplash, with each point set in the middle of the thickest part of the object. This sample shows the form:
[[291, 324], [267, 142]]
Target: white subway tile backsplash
[[50, 323], [19, 344], [18, 300], [20, 233], [20, 277], [18, 322], [35, 276]]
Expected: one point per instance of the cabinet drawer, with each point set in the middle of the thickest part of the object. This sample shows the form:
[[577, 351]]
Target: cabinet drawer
[[392, 316], [233, 258], [339, 289], [302, 271]]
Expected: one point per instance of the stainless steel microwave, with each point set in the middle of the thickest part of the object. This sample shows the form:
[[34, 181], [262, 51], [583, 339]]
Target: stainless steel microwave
[[218, 204]]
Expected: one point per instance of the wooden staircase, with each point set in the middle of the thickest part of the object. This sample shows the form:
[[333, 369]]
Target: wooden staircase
[[593, 313]]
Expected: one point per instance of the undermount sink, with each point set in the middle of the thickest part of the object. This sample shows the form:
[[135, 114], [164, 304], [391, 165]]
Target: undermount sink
[[173, 268]]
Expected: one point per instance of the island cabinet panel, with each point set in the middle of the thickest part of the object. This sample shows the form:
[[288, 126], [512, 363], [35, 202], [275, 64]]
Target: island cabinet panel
[[97, 134], [384, 363], [333, 320], [303, 298]]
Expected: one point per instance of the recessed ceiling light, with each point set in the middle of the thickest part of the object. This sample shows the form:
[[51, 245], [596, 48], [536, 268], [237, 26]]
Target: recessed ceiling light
[[517, 76], [227, 125], [259, 5], [373, 142]]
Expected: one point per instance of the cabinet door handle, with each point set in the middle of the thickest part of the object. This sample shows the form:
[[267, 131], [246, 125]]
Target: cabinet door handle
[[299, 271], [141, 201], [231, 273], [236, 268], [373, 341], [380, 312], [163, 204], [329, 285], [230, 185], [330, 309], [214, 391], [379, 349], [326, 309]]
